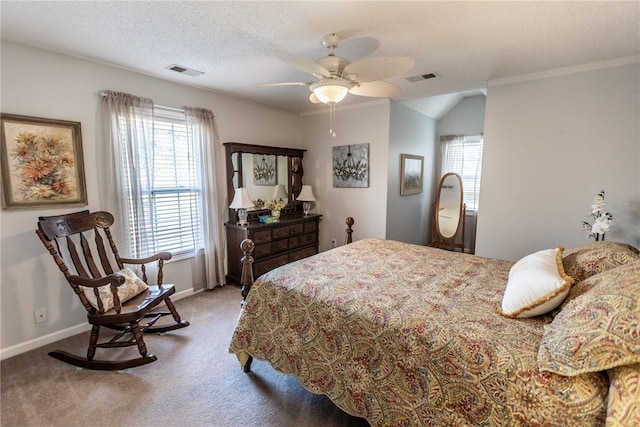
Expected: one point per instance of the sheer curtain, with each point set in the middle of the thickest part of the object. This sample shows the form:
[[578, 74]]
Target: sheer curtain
[[202, 128], [463, 155], [127, 148]]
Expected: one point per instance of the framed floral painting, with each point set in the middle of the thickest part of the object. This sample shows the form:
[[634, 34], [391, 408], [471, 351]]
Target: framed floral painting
[[42, 162]]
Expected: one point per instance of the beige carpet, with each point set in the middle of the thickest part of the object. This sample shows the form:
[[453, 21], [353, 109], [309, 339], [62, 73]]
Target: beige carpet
[[194, 382]]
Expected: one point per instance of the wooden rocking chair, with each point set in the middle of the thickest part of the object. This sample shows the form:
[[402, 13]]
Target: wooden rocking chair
[[113, 297]]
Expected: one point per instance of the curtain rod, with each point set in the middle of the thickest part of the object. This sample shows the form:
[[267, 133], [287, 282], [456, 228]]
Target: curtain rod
[[176, 109], [453, 136]]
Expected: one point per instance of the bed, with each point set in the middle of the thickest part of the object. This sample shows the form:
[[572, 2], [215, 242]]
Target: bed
[[407, 335]]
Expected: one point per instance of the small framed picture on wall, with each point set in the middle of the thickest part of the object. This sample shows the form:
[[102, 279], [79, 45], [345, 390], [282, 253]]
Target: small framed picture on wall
[[411, 174]]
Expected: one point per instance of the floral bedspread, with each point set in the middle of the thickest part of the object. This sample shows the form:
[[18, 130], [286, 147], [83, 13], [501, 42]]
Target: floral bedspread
[[407, 335]]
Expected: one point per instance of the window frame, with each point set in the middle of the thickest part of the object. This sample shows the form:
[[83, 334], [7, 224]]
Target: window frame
[[472, 206]]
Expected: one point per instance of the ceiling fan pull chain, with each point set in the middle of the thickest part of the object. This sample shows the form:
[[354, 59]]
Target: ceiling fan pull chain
[[332, 119]]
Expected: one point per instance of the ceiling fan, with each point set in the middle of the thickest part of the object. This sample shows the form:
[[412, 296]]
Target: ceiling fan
[[337, 76]]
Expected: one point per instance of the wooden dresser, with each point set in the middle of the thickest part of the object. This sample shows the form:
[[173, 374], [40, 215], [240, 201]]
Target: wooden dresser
[[292, 238]]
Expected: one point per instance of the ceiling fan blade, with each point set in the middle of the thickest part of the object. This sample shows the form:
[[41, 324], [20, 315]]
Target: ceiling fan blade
[[379, 89], [372, 69], [282, 84], [303, 64]]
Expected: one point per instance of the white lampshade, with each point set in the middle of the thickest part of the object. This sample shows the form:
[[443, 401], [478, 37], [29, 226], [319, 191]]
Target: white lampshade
[[330, 91], [279, 192], [241, 199], [306, 194]]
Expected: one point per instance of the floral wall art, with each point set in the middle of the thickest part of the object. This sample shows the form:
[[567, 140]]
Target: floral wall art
[[351, 165], [42, 162]]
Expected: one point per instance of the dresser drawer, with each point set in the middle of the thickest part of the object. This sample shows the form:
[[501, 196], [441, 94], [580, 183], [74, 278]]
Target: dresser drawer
[[310, 227], [302, 253], [259, 268], [262, 236], [279, 246], [281, 233], [295, 242], [262, 251], [296, 229], [307, 239]]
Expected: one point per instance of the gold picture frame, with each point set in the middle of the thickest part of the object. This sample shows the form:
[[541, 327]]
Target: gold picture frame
[[42, 163], [411, 175]]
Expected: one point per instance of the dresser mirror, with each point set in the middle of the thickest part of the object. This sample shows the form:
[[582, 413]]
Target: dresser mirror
[[449, 213], [267, 172]]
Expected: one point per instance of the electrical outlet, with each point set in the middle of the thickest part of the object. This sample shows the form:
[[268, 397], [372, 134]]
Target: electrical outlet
[[41, 315], [334, 243]]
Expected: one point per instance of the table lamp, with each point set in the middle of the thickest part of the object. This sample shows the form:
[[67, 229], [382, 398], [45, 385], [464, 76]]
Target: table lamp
[[241, 202], [306, 197], [279, 193]]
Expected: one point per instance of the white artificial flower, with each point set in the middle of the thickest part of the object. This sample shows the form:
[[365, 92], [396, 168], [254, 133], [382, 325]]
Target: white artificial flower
[[598, 204], [602, 220], [601, 225]]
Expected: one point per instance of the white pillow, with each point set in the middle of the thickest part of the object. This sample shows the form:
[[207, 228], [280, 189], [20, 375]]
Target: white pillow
[[537, 284], [132, 287]]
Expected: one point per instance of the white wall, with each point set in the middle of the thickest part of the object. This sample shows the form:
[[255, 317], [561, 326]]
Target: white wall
[[466, 118], [44, 84], [551, 143], [409, 216], [364, 124]]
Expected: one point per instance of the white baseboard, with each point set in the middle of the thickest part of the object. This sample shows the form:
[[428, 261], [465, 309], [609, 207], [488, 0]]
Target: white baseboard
[[32, 344], [29, 345]]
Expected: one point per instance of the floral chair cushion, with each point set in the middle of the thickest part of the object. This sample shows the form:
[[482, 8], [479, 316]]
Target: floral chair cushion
[[592, 258], [132, 287], [599, 328]]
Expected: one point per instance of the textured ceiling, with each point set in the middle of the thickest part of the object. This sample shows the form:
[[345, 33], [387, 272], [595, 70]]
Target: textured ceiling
[[233, 42]]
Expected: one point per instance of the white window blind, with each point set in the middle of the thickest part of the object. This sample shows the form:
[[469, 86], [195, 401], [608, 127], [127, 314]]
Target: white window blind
[[463, 155], [175, 187]]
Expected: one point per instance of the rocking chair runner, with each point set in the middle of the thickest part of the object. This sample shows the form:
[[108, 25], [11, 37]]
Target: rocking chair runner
[[101, 290]]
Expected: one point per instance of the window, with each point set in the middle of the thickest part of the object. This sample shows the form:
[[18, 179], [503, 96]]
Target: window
[[161, 186], [160, 170], [463, 155], [175, 187]]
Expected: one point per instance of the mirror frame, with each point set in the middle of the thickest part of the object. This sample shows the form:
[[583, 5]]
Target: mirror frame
[[294, 175], [437, 238]]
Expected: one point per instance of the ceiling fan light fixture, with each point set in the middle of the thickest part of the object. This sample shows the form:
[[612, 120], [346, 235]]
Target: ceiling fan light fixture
[[330, 91]]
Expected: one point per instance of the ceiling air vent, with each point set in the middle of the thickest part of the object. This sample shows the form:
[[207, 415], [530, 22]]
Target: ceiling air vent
[[421, 77], [184, 70]]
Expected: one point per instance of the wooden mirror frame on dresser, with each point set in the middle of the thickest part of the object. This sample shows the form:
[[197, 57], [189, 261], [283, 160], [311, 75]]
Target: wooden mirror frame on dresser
[[294, 236], [294, 174]]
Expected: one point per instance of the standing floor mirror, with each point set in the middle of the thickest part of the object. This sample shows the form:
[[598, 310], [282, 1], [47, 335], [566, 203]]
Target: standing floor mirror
[[449, 214]]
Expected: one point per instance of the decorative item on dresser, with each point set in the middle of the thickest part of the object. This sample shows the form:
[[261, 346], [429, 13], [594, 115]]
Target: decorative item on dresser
[[306, 197], [241, 202], [289, 237]]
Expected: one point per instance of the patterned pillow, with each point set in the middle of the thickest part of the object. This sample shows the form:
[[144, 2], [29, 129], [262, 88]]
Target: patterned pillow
[[597, 330], [132, 287], [623, 408], [592, 258], [537, 284]]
